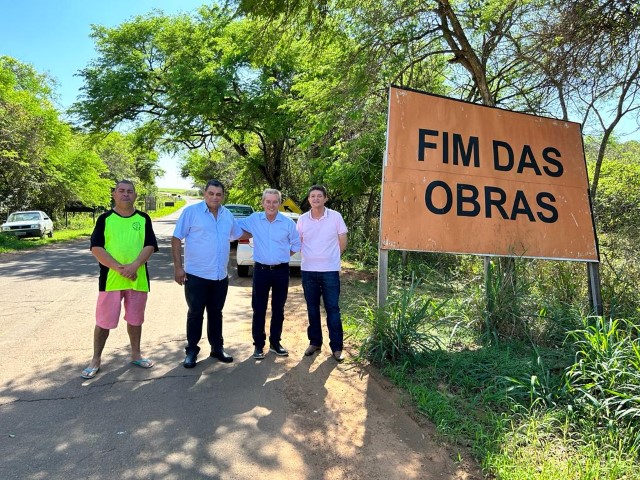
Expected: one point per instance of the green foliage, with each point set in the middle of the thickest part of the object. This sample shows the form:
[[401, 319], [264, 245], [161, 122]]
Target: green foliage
[[243, 181], [605, 378], [504, 290], [619, 192], [263, 105], [198, 82], [124, 159], [557, 403], [538, 387], [513, 405], [620, 273], [75, 221], [31, 137], [404, 329], [165, 210], [557, 299], [44, 164], [83, 176]]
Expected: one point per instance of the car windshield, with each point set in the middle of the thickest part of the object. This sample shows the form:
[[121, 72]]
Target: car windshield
[[240, 210], [23, 217]]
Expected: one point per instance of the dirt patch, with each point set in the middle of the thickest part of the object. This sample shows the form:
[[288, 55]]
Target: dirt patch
[[371, 427], [349, 275]]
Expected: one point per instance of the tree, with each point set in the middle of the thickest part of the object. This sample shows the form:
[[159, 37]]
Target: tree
[[619, 192], [398, 42], [44, 164], [589, 52], [195, 83], [76, 177], [28, 129], [125, 159]]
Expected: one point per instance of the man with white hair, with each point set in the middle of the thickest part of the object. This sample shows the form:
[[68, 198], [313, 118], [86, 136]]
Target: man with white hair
[[275, 239]]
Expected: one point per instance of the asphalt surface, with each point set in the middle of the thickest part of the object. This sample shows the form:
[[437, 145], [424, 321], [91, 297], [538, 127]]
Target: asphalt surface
[[281, 418]]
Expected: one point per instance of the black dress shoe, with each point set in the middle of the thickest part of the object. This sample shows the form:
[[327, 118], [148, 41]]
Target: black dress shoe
[[190, 360], [221, 355], [279, 350]]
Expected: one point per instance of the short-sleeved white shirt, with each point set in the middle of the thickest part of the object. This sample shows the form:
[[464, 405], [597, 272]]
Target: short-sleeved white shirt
[[273, 241], [206, 240], [320, 244]]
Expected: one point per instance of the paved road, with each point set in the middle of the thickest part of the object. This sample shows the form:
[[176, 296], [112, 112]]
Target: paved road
[[282, 418]]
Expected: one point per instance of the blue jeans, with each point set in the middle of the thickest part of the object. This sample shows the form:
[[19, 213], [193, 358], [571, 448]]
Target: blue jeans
[[276, 281], [327, 286], [202, 294]]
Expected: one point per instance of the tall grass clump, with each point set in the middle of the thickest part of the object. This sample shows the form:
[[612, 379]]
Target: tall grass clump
[[604, 381], [401, 331], [529, 300], [539, 387], [505, 289]]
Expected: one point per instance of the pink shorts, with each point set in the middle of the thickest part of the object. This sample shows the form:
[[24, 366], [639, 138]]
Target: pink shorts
[[109, 305]]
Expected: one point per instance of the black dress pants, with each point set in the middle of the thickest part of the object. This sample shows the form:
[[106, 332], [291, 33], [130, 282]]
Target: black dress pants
[[267, 280], [202, 294]]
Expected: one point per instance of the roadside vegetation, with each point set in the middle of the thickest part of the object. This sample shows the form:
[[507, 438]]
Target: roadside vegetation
[[80, 225], [557, 400]]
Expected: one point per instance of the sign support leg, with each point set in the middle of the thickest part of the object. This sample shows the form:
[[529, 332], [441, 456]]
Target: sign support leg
[[383, 277], [595, 293]]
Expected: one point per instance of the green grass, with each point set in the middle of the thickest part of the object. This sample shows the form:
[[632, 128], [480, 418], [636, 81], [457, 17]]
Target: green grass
[[164, 211], [12, 244], [192, 192], [468, 396], [176, 191], [80, 227], [560, 399]]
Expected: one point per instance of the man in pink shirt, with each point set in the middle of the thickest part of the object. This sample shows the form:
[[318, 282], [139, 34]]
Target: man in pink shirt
[[324, 237]]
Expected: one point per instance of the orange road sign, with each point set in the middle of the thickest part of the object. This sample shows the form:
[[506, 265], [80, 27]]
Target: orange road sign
[[465, 178]]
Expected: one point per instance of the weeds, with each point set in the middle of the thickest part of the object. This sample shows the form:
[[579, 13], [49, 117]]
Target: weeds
[[605, 378], [403, 330], [535, 387], [539, 387]]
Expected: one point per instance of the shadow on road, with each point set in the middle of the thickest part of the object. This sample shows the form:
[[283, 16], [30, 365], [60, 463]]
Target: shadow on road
[[164, 422]]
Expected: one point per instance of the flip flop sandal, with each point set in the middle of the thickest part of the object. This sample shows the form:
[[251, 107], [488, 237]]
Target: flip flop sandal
[[143, 363], [90, 372]]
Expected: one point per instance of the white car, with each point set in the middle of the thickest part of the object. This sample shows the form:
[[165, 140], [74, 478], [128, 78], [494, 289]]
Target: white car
[[32, 223], [244, 253], [239, 211]]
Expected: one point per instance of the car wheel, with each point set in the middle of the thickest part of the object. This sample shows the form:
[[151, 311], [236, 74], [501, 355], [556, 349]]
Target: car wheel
[[243, 270]]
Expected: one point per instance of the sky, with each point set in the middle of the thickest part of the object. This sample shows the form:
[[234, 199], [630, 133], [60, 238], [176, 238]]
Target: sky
[[53, 36]]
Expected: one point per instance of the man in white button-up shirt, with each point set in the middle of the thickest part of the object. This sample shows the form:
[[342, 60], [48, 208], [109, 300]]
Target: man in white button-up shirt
[[207, 229], [275, 239]]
